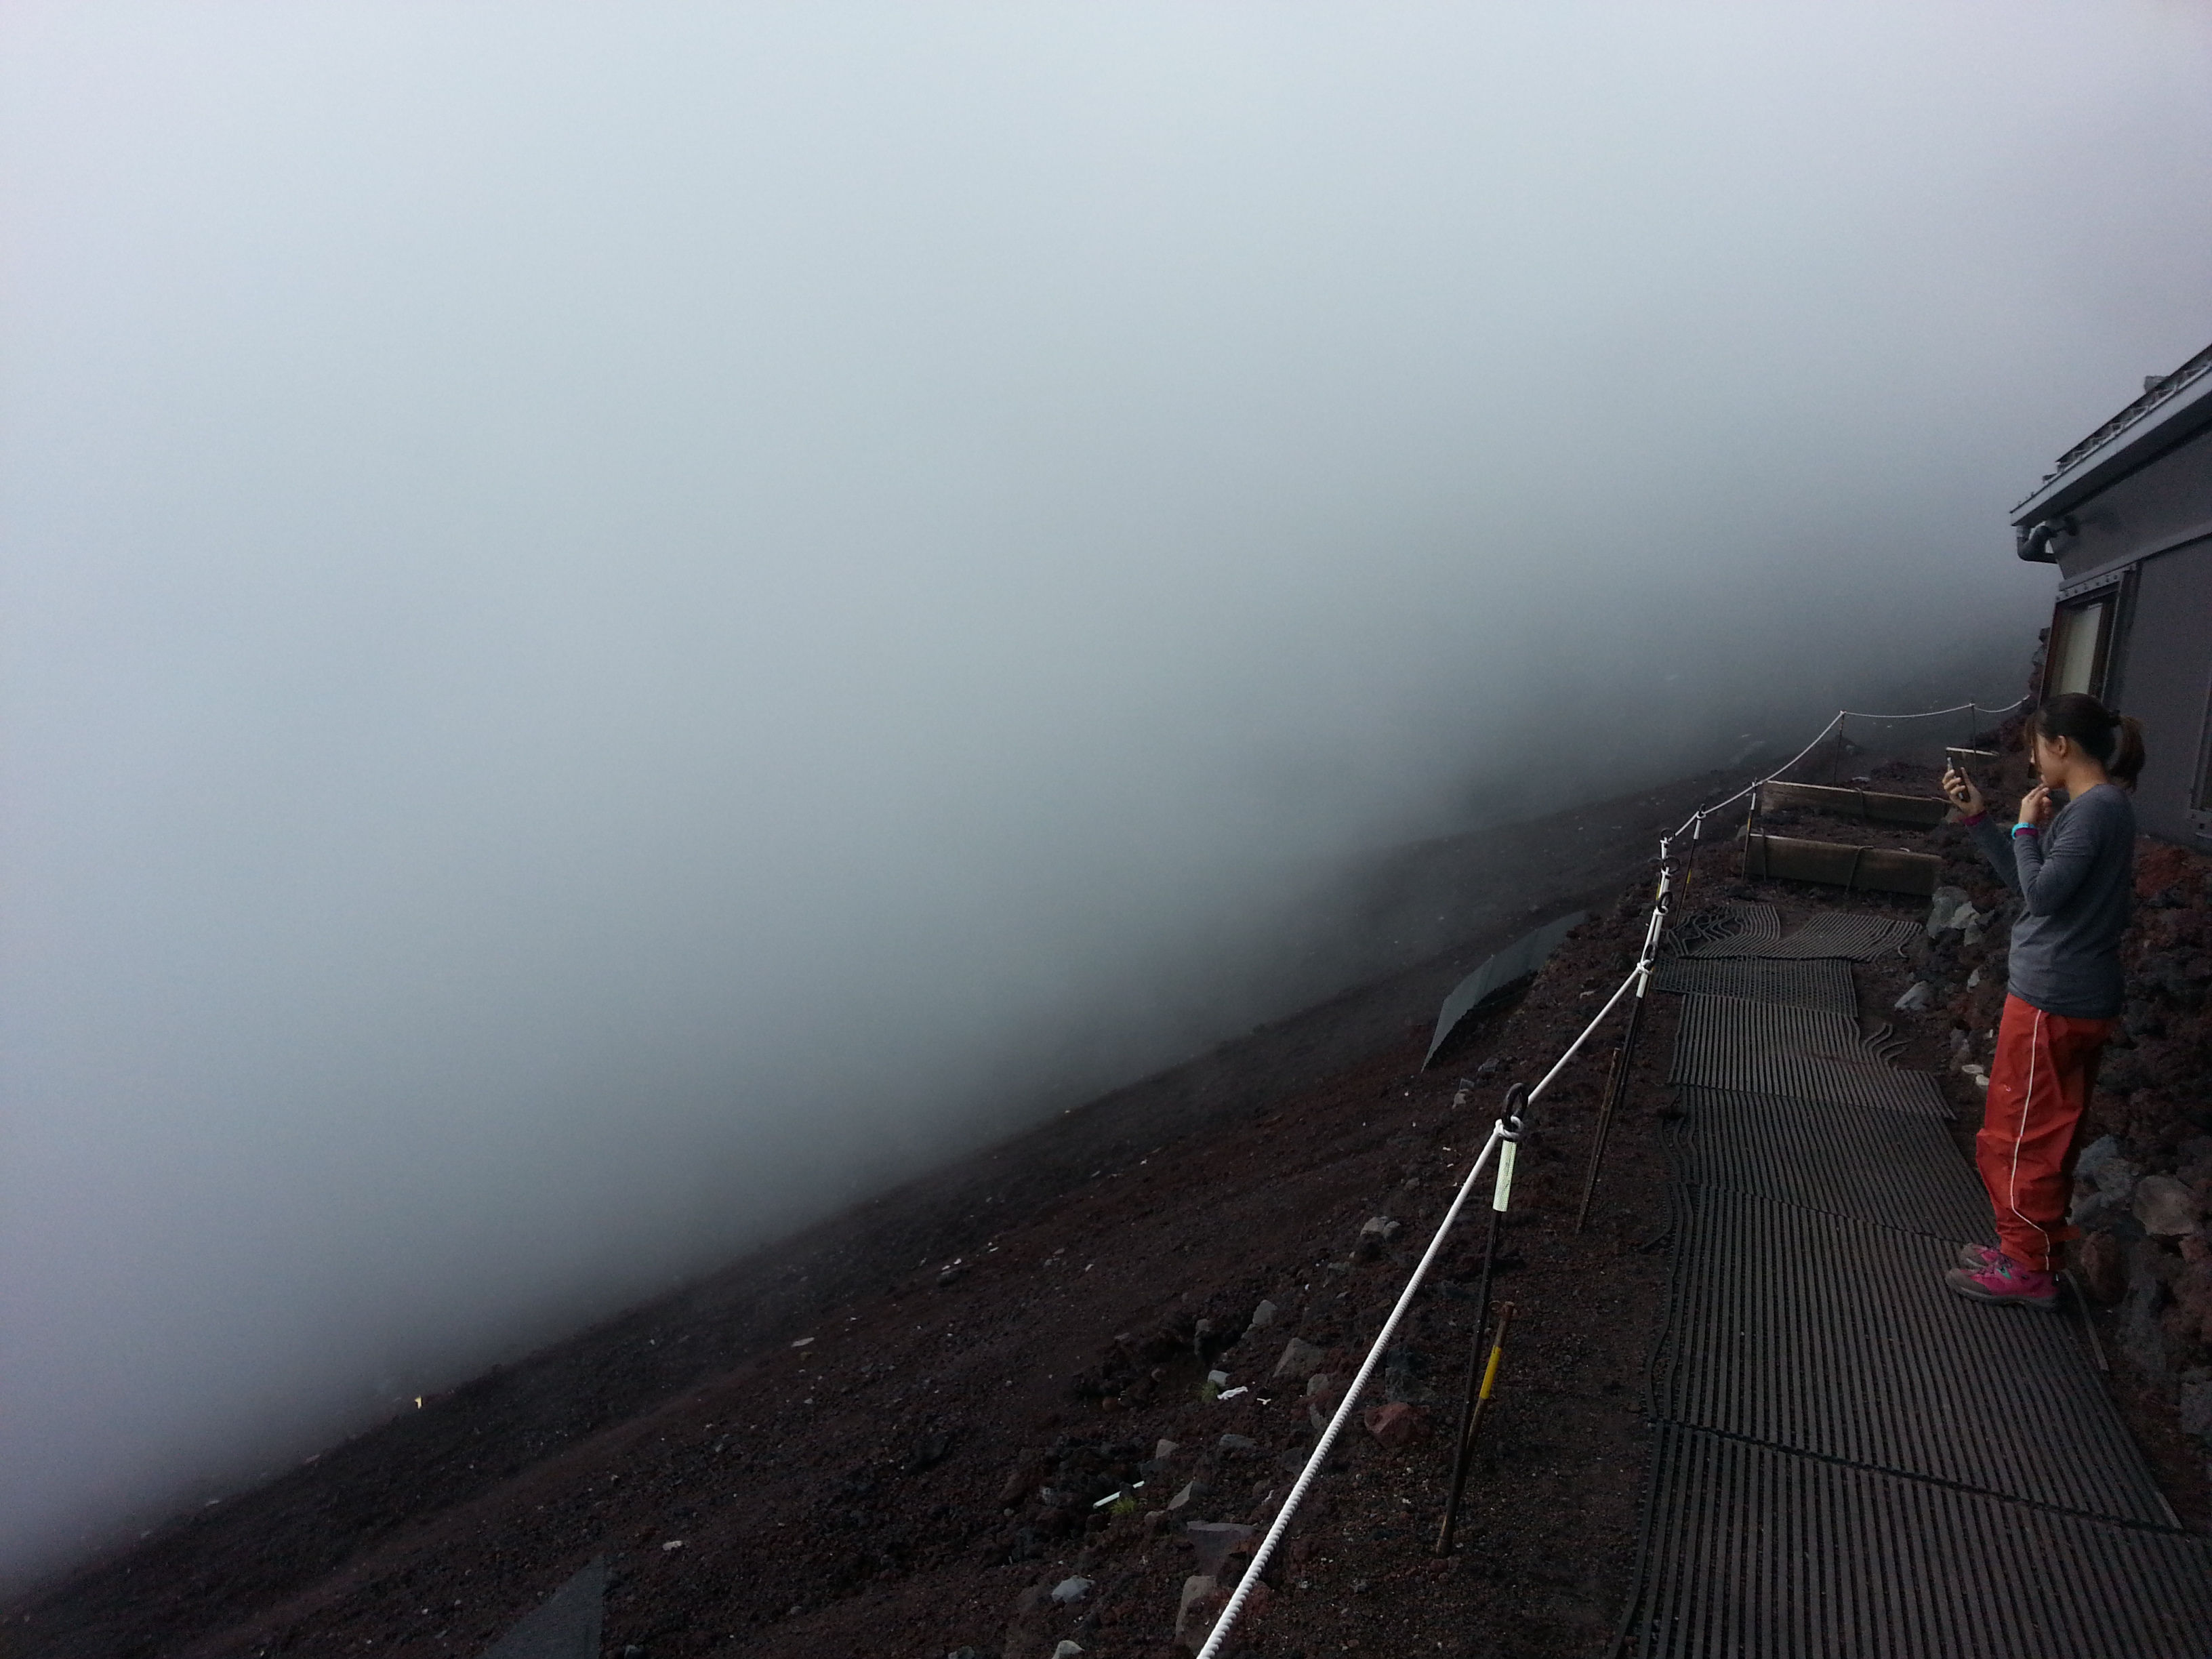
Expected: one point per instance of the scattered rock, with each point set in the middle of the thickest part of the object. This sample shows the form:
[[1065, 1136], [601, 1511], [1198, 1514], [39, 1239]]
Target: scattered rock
[[2103, 1167], [2103, 1267], [1917, 999], [1069, 1591], [1323, 1390], [1238, 1443], [2192, 1292], [1397, 1425], [2166, 1207], [1027, 1476], [1489, 1067], [1189, 1490], [1212, 1542], [1300, 1359], [2142, 1338], [1403, 1370], [1944, 909], [672, 1546], [1200, 1605], [2196, 1415], [1066, 1650], [1381, 1227], [1262, 1315], [1165, 1450]]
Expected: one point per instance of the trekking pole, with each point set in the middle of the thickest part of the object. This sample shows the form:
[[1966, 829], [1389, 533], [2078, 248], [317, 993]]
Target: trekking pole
[[1501, 1197], [1616, 1086]]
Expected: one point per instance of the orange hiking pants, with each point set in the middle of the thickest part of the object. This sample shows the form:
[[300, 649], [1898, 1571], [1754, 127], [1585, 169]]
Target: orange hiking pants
[[2040, 1085]]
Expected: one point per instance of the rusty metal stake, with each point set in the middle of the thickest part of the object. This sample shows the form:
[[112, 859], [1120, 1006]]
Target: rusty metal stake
[[1624, 1057], [1616, 1089], [1478, 1404]]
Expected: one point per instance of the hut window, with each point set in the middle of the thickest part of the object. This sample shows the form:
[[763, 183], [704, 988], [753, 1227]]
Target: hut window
[[2081, 640]]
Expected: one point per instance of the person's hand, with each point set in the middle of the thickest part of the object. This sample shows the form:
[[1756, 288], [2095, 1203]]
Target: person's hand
[[1962, 793], [2035, 806]]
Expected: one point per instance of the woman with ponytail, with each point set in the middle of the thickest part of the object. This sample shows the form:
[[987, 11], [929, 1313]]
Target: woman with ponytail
[[2074, 869]]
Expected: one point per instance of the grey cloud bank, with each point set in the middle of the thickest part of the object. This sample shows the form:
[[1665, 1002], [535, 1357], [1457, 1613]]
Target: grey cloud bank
[[622, 625]]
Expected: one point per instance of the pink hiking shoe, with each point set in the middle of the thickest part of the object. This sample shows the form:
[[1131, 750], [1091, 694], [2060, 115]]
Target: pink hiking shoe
[[1976, 1257], [2005, 1280]]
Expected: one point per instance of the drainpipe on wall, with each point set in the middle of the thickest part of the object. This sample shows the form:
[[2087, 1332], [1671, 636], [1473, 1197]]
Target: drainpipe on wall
[[2034, 543]]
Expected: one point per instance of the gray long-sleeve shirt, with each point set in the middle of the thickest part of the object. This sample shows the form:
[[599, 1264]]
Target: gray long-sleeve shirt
[[2077, 879]]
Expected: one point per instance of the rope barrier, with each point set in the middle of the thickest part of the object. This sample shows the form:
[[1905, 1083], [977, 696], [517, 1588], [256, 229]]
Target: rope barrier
[[1319, 1454], [1955, 708], [1261, 1557], [1639, 979], [1841, 714]]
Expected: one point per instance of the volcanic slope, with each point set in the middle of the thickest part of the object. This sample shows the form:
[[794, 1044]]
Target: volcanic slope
[[888, 1432]]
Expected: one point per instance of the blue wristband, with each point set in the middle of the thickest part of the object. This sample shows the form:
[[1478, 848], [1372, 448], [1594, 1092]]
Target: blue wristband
[[2024, 829]]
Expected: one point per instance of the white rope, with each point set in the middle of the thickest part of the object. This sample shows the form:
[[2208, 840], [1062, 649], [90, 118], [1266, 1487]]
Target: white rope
[[1955, 708], [1575, 1048], [1638, 978], [1841, 714], [1261, 1557], [1709, 811], [1642, 972]]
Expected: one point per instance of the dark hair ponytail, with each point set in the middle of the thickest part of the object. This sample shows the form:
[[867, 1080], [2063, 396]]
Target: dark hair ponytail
[[2114, 741]]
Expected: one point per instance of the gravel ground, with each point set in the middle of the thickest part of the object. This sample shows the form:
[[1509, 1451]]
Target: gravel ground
[[891, 1434]]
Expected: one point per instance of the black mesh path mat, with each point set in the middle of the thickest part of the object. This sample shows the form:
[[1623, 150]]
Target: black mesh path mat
[[1806, 1331], [1755, 930], [1864, 1163], [1824, 984], [1850, 1460], [1756, 1553], [1761, 1049]]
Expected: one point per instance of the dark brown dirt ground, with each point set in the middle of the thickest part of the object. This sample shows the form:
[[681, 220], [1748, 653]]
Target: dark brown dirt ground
[[1029, 1322]]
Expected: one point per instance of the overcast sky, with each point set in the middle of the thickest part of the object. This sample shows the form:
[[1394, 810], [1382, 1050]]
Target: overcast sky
[[620, 622]]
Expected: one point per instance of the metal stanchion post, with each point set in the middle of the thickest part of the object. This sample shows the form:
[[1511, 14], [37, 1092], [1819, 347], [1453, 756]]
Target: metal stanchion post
[[1510, 1126]]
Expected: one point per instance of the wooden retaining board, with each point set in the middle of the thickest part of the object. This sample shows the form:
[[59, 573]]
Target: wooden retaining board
[[1864, 804], [1862, 869]]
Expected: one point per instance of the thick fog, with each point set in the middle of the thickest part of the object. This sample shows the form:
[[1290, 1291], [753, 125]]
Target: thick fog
[[623, 623]]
